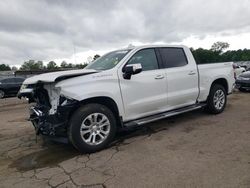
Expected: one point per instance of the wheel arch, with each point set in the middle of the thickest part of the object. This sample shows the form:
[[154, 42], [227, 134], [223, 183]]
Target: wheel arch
[[221, 81], [108, 102]]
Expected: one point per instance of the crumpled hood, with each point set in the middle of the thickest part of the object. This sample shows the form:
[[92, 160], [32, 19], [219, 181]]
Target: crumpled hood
[[57, 76]]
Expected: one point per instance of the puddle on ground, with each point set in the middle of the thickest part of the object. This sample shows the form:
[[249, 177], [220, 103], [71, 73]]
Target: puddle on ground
[[45, 158]]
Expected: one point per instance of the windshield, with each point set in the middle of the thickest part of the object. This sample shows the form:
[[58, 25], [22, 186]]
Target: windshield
[[108, 61]]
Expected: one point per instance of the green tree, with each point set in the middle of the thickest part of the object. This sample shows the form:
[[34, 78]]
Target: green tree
[[14, 68], [81, 65], [205, 56], [215, 55], [52, 65], [219, 46], [70, 65], [32, 65], [64, 64], [4, 67]]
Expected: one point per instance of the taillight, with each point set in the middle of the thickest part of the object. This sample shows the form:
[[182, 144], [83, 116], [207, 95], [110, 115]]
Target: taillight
[[234, 71]]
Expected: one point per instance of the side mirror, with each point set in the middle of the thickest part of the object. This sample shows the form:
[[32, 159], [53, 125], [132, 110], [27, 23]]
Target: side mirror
[[129, 70]]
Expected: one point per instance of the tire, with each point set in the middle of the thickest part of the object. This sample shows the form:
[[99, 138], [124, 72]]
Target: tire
[[87, 121], [217, 99], [2, 94], [242, 89]]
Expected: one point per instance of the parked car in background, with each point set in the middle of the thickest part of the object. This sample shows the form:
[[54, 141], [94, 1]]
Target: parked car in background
[[10, 86], [243, 81], [238, 70]]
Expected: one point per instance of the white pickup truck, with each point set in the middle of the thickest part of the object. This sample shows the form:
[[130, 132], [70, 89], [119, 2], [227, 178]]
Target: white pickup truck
[[124, 88]]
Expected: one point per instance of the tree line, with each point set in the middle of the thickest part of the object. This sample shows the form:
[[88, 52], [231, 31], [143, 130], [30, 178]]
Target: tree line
[[51, 65], [38, 65], [217, 53]]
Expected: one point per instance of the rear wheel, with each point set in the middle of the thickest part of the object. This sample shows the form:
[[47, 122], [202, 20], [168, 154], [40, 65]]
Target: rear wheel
[[2, 94], [217, 99], [92, 127]]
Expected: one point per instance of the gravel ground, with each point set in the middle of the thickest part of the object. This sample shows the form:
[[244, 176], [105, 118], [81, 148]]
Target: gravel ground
[[190, 150]]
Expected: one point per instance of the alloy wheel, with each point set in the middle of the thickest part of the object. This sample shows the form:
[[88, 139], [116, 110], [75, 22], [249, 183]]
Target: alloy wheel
[[95, 128], [219, 99]]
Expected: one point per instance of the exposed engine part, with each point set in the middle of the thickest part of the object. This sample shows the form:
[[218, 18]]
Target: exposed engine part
[[54, 95], [50, 112]]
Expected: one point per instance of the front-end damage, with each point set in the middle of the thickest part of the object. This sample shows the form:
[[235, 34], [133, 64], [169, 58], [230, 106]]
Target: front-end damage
[[49, 111]]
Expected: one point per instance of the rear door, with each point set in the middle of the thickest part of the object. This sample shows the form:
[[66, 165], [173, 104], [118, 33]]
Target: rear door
[[17, 82], [182, 77], [7, 85], [145, 93]]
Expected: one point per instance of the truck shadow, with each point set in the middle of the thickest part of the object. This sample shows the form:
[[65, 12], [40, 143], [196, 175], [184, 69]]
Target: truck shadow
[[55, 153], [158, 126]]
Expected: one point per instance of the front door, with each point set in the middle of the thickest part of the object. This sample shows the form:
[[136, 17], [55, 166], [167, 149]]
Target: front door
[[145, 93]]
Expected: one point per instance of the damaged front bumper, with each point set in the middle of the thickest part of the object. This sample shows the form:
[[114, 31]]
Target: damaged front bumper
[[52, 125], [49, 113]]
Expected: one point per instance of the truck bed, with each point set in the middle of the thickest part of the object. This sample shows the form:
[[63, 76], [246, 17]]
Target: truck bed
[[211, 71]]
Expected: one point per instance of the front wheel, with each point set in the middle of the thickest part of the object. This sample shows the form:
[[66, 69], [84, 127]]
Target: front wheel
[[217, 99], [92, 127]]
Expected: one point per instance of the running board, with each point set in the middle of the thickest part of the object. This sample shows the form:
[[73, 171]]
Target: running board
[[156, 117]]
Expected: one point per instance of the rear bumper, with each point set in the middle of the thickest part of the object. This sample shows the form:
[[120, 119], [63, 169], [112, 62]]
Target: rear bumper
[[243, 84]]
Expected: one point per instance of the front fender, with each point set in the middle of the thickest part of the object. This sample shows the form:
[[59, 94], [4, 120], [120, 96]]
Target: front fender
[[90, 86]]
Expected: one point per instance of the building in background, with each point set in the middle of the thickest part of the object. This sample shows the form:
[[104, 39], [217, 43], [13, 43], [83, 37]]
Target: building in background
[[4, 74]]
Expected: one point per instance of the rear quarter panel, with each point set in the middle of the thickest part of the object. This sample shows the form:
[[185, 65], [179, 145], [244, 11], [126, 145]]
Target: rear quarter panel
[[211, 72]]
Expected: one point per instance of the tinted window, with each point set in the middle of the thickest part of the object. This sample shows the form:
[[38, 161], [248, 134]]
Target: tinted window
[[7, 80], [173, 57], [12, 80], [18, 80], [146, 58]]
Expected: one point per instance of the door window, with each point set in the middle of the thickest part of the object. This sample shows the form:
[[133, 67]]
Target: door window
[[7, 81], [18, 80], [146, 57], [173, 57]]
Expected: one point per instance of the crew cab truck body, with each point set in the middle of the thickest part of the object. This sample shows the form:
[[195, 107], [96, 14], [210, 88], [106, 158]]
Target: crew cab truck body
[[124, 88]]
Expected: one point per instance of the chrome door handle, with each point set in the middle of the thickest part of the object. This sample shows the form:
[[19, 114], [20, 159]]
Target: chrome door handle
[[159, 77], [191, 73]]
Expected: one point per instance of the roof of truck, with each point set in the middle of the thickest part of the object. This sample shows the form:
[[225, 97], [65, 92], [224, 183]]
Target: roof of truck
[[153, 46]]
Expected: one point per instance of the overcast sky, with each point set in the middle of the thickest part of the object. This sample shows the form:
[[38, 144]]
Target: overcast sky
[[54, 29]]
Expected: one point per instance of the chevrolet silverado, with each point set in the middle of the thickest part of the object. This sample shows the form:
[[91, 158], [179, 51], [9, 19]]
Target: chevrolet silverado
[[124, 88]]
